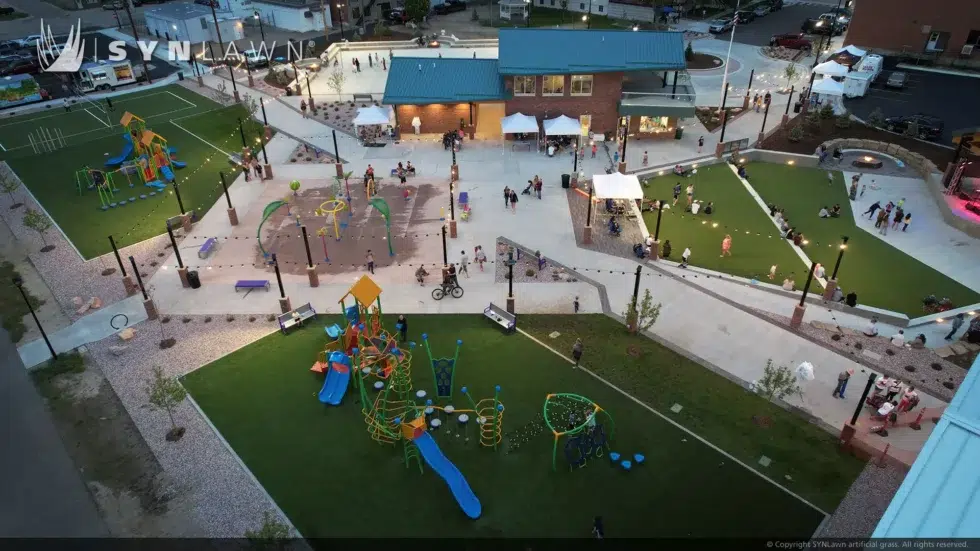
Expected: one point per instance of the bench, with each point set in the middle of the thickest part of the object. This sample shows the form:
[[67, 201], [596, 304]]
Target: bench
[[296, 317], [207, 248], [501, 317], [252, 284], [394, 172], [363, 97]]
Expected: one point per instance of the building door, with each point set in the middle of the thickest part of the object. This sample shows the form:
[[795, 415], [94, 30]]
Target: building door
[[586, 122], [937, 41]]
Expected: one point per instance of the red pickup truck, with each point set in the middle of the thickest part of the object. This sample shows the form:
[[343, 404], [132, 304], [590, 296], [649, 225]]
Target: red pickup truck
[[793, 41]]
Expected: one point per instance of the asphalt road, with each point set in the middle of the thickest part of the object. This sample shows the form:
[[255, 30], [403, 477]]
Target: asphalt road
[[951, 98], [787, 20]]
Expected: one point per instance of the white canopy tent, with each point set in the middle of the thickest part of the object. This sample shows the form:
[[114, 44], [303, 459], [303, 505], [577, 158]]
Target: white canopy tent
[[828, 90], [852, 50], [372, 115], [562, 126], [831, 69], [519, 123], [617, 186]]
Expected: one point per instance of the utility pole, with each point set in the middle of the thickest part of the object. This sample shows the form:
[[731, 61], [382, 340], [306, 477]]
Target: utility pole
[[326, 31], [217, 31], [136, 37]]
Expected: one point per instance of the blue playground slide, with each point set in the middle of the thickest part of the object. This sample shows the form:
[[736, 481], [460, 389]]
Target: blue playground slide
[[444, 467], [168, 174], [335, 386], [178, 164], [156, 184], [113, 162]]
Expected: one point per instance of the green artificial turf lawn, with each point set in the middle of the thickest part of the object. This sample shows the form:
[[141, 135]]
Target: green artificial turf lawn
[[736, 213], [881, 275], [51, 176], [321, 466], [551, 17]]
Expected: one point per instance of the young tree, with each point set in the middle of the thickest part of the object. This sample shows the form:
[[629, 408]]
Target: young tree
[[166, 393], [796, 133], [417, 9], [843, 120], [777, 382], [37, 221], [912, 129], [791, 72], [877, 117], [827, 111], [272, 531], [9, 184], [689, 51], [564, 8], [336, 80], [639, 320]]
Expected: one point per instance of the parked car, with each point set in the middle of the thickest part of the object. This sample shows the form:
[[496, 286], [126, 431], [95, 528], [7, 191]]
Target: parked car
[[793, 41], [20, 67], [745, 16], [255, 58], [720, 25], [449, 6], [208, 3], [897, 79], [28, 41], [843, 15], [397, 16], [930, 128], [842, 20], [10, 47], [113, 5], [823, 25], [762, 11], [775, 5]]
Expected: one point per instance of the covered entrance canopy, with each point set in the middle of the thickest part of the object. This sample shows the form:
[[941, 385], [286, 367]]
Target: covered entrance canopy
[[372, 115], [831, 69], [519, 123], [562, 126], [617, 186]]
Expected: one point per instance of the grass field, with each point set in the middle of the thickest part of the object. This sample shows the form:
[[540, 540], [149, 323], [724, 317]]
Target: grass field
[[882, 275], [736, 213], [199, 128], [332, 480]]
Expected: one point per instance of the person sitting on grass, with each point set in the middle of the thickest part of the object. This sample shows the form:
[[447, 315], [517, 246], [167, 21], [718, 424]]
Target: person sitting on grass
[[798, 239], [824, 213], [835, 211], [678, 170], [741, 172], [709, 208], [788, 284]]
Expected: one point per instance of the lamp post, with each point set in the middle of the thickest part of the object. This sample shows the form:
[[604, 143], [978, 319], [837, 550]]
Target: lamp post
[[745, 102], [724, 118], [128, 284], [258, 17], [633, 325], [789, 101], [248, 70], [510, 285], [800, 309], [587, 21], [129, 14], [284, 304], [180, 203], [655, 248], [19, 282], [181, 269], [831, 288], [340, 10], [452, 210], [309, 91], [221, 45], [445, 251], [765, 116], [527, 17], [587, 230], [626, 135], [241, 132], [728, 58], [148, 305]]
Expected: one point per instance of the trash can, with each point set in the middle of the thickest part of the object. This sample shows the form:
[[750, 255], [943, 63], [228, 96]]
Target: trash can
[[180, 75], [678, 133], [566, 181], [194, 278], [797, 107]]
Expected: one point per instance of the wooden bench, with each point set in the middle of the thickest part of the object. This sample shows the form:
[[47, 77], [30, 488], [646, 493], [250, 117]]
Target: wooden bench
[[252, 284], [207, 248], [363, 97], [296, 317], [501, 317]]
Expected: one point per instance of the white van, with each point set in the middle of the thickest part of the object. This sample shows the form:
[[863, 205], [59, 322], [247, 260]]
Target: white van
[[106, 75], [871, 63]]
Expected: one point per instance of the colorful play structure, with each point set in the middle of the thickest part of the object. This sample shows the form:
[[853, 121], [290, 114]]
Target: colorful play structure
[[367, 354], [584, 436]]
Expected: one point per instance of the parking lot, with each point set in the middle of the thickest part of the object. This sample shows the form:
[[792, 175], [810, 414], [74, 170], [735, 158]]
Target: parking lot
[[787, 20], [952, 98]]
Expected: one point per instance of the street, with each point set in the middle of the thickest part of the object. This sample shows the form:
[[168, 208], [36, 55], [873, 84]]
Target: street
[[787, 20]]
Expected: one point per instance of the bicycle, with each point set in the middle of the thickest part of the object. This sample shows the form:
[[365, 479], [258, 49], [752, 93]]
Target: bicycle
[[452, 288]]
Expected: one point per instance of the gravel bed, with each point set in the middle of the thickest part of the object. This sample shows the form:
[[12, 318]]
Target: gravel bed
[[226, 501], [527, 263], [304, 155], [924, 361], [865, 503], [65, 272]]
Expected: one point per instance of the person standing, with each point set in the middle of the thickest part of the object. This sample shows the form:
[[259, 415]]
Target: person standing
[[726, 246], [842, 383], [615, 158], [575, 305], [506, 196], [370, 261], [957, 323], [685, 256], [646, 159], [513, 201], [898, 218], [894, 389], [302, 108], [67, 105], [537, 186], [594, 149], [108, 104], [677, 192], [384, 64], [370, 62], [881, 219], [908, 220], [690, 194], [577, 349], [700, 144], [464, 261], [480, 256], [402, 326]]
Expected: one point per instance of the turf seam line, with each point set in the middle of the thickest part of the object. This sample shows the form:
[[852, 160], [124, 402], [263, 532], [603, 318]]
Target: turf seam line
[[675, 423], [97, 118], [241, 463], [188, 102], [200, 138]]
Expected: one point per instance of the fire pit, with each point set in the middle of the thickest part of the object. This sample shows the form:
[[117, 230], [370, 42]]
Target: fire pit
[[433, 44], [867, 161]]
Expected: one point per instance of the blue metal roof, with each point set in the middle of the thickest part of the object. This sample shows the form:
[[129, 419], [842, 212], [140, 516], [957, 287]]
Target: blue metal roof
[[426, 80], [940, 497], [567, 51]]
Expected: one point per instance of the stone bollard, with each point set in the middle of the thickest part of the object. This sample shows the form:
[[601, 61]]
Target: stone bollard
[[151, 309], [285, 305]]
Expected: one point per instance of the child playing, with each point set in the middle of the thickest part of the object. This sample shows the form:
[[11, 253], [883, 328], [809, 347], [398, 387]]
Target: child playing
[[646, 159]]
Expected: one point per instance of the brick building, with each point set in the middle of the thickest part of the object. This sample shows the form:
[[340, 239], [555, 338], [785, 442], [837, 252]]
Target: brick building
[[604, 78], [947, 31]]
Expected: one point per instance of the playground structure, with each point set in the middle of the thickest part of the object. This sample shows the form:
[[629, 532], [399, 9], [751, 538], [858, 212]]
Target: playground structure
[[146, 152], [367, 353], [586, 437], [331, 208]]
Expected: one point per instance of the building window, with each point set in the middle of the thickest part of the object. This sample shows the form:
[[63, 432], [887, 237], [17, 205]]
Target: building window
[[355, 13], [973, 39], [600, 9], [581, 6], [523, 86], [540, 2], [552, 2], [653, 125], [581, 85], [204, 23], [553, 85]]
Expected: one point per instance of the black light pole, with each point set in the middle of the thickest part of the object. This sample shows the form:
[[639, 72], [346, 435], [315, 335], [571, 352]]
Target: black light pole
[[261, 28], [115, 251], [790, 100], [275, 266], [139, 278], [626, 135], [265, 119], [452, 202], [806, 288], [510, 278], [309, 89], [445, 252], [241, 132], [840, 256], [217, 29], [224, 186], [19, 282], [180, 204], [173, 243], [749, 89], [578, 143], [530, 5], [306, 242], [806, 98], [724, 114], [764, 117], [336, 152], [129, 13], [636, 288], [864, 396], [660, 212], [588, 214], [340, 10], [265, 156]]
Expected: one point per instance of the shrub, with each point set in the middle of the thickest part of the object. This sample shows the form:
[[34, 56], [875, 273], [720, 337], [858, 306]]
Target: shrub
[[912, 130], [843, 120], [529, 272], [876, 118], [827, 111], [229, 318], [796, 133]]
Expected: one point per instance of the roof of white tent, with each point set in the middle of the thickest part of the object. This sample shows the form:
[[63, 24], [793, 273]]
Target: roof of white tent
[[562, 126], [519, 123], [372, 115], [828, 86], [617, 186], [853, 50], [831, 68]]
